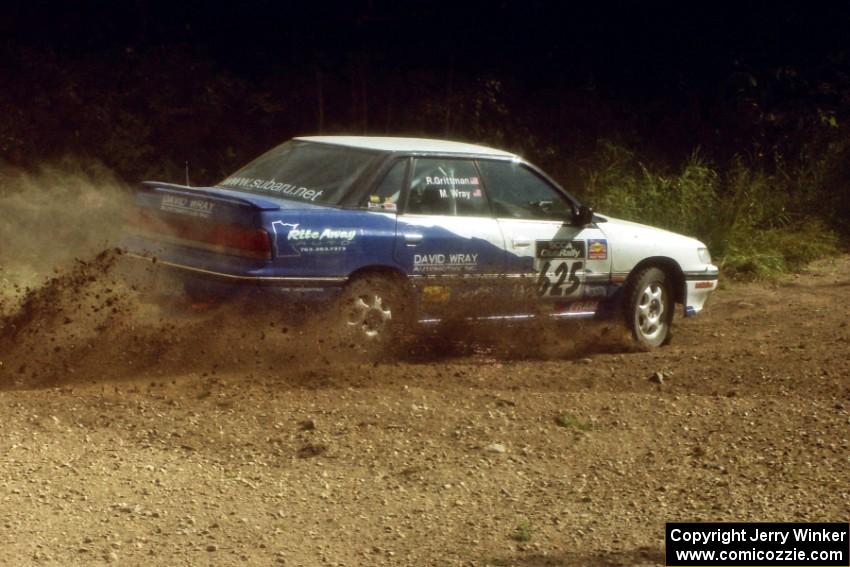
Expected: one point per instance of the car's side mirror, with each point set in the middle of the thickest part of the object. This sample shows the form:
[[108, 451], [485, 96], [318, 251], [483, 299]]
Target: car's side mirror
[[583, 216]]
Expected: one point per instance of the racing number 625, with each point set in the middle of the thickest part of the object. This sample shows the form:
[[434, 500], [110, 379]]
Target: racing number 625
[[564, 271]]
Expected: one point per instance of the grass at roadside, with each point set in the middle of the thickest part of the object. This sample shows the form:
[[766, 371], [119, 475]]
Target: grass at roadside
[[570, 421], [523, 531], [757, 225]]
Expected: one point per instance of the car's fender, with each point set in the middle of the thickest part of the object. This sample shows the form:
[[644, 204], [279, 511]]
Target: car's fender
[[633, 246]]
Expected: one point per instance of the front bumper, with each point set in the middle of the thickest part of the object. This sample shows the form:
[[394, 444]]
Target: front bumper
[[698, 286]]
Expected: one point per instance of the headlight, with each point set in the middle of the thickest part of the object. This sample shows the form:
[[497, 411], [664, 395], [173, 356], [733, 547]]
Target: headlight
[[704, 255]]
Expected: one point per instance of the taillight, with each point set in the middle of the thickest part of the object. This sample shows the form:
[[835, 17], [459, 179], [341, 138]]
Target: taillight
[[249, 242], [231, 239]]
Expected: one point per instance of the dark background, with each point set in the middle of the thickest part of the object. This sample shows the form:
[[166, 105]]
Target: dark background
[[146, 86]]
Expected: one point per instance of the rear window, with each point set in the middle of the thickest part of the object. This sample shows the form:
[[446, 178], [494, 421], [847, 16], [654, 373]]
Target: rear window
[[303, 171]]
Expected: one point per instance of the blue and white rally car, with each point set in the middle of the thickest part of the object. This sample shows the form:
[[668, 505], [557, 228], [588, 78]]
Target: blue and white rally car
[[405, 230]]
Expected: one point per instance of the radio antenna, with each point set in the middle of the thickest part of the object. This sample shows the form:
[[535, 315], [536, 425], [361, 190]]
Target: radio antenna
[[187, 174]]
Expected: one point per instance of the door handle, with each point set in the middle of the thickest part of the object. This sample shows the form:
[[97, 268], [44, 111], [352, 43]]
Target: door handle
[[412, 238], [521, 243]]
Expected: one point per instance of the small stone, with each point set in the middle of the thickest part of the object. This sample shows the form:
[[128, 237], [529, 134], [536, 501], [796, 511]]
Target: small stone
[[312, 450], [657, 378], [496, 448], [212, 547], [307, 425]]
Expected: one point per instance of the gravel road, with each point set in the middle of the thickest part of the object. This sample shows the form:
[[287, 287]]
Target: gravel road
[[137, 438]]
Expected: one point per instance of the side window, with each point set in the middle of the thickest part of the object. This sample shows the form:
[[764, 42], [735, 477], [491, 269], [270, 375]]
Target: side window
[[446, 187], [385, 196], [519, 193]]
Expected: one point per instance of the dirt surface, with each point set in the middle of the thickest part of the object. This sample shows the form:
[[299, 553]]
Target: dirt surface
[[146, 436]]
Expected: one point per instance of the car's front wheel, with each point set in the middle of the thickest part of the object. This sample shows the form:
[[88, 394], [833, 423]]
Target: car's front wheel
[[374, 313], [649, 308]]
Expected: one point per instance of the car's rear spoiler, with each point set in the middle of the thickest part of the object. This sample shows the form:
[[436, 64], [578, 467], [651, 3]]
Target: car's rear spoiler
[[238, 199]]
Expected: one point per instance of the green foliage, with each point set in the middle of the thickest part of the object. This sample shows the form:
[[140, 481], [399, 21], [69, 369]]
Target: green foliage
[[677, 201], [523, 531], [569, 421], [768, 253], [756, 225]]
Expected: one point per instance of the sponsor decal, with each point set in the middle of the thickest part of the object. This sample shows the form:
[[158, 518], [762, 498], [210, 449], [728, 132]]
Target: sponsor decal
[[386, 205], [321, 234], [292, 240], [444, 262], [273, 186], [458, 194], [704, 285], [560, 249], [435, 294], [560, 278], [583, 307], [447, 180], [597, 249], [558, 272], [187, 206], [595, 291], [451, 186]]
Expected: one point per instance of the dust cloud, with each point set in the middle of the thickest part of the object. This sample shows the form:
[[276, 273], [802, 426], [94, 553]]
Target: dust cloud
[[51, 216]]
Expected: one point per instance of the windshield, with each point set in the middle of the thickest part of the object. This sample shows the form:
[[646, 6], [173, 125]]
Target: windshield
[[303, 171]]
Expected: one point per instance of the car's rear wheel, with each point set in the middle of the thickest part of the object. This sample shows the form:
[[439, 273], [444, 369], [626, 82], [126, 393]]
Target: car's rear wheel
[[649, 308], [374, 313]]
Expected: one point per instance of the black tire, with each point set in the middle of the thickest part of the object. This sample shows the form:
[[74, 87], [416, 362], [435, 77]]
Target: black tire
[[649, 308], [375, 313]]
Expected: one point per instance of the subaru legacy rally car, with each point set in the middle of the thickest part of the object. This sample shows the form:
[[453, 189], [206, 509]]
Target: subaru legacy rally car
[[406, 230]]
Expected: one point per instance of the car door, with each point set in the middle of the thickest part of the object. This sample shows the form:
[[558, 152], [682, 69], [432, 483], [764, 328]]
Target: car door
[[559, 267], [447, 238]]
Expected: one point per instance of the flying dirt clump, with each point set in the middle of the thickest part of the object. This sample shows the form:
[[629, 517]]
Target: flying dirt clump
[[89, 323], [55, 325]]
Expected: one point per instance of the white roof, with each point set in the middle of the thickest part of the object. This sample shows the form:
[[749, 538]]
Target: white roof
[[388, 144]]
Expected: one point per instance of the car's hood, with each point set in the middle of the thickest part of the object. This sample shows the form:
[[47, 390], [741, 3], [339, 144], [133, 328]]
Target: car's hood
[[622, 230]]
